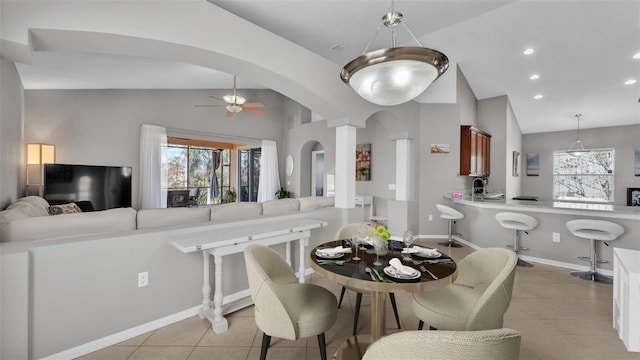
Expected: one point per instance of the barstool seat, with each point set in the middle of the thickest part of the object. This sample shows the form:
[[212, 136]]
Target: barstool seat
[[449, 214], [517, 222], [594, 230]]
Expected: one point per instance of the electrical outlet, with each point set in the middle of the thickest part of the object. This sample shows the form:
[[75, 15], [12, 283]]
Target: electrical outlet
[[556, 237], [143, 279], [430, 217]]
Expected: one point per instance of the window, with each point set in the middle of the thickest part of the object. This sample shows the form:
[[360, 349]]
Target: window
[[586, 178], [191, 167], [249, 161]]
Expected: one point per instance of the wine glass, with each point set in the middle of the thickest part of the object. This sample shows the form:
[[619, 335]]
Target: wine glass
[[355, 239], [408, 240], [377, 245]]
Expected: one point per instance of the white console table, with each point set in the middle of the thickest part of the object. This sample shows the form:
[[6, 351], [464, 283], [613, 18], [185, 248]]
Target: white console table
[[232, 239], [364, 200], [626, 296]]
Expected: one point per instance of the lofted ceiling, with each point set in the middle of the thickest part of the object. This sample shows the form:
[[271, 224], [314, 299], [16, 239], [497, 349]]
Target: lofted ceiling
[[583, 53]]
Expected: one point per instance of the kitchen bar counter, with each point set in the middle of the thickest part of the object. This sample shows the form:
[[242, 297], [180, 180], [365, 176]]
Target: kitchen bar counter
[[558, 207], [481, 228]]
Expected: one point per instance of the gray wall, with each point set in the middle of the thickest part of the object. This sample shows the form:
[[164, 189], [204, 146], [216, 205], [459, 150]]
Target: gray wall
[[11, 105], [102, 127], [624, 139]]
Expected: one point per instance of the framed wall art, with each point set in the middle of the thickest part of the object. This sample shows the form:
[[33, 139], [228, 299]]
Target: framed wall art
[[363, 162], [533, 164], [516, 159], [633, 196]]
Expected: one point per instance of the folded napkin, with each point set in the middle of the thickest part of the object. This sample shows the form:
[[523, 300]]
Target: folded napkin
[[421, 251], [402, 269], [333, 251]]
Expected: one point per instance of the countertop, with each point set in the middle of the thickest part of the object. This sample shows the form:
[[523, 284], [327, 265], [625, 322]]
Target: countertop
[[584, 209]]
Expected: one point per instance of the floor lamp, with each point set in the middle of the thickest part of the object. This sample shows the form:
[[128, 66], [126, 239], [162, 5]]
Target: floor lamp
[[37, 155]]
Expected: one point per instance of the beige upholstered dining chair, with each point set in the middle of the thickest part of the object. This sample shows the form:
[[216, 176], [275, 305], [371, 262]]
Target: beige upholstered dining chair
[[346, 232], [477, 299], [285, 308], [496, 344]]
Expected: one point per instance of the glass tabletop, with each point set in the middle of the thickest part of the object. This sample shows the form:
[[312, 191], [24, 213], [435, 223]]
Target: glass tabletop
[[429, 268]]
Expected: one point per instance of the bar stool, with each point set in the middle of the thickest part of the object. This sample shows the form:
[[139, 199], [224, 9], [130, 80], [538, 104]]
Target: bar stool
[[449, 214], [594, 230], [517, 222]]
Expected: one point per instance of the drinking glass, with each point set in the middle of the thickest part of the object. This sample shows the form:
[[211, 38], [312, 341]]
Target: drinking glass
[[408, 240], [355, 239], [377, 245]]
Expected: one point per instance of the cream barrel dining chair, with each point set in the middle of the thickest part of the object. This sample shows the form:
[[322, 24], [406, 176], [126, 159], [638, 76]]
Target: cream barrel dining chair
[[477, 299], [496, 344], [285, 308], [346, 232]]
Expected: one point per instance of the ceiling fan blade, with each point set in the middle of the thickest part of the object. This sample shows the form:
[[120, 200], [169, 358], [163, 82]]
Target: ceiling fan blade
[[213, 97], [255, 112], [253, 105], [229, 114]]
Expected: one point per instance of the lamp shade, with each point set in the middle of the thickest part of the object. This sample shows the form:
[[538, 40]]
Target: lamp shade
[[394, 76], [38, 154]]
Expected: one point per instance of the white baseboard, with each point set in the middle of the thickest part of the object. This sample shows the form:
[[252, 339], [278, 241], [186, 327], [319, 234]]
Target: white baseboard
[[561, 264], [123, 335]]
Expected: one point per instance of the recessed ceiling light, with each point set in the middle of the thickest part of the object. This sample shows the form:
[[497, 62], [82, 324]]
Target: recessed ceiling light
[[528, 51], [538, 97], [534, 77], [636, 56], [630, 82]]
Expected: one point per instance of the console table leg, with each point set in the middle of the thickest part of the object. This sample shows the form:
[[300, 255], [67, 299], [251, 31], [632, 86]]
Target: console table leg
[[206, 287], [287, 252], [220, 324], [301, 257]]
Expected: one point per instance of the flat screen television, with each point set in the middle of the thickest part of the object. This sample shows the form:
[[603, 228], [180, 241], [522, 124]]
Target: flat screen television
[[99, 187]]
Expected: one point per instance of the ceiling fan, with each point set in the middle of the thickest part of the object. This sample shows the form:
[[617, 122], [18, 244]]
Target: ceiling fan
[[236, 103]]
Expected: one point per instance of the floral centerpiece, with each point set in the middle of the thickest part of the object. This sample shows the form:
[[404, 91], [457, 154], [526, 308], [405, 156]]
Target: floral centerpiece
[[382, 233]]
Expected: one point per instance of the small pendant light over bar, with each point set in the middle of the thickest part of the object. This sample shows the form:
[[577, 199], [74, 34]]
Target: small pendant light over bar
[[394, 75], [577, 149]]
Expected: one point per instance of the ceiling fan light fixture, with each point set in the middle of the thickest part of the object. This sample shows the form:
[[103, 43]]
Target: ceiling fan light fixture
[[394, 75], [234, 99], [234, 108]]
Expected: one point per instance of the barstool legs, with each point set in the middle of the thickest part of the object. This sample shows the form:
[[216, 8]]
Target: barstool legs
[[450, 243], [592, 274], [516, 249]]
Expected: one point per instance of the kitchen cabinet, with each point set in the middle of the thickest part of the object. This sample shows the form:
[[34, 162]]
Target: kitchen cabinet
[[475, 152]]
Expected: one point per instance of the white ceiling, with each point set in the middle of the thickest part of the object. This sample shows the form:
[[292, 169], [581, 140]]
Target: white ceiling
[[583, 53]]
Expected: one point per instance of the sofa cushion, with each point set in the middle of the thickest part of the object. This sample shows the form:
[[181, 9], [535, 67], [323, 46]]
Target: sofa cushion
[[315, 202], [48, 227], [236, 210], [280, 206], [70, 208], [150, 218], [23, 208]]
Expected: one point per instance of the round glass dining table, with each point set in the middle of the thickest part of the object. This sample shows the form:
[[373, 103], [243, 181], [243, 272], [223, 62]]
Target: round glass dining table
[[366, 277]]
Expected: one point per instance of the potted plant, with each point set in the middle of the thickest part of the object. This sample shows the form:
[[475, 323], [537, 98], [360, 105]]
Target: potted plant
[[283, 194]]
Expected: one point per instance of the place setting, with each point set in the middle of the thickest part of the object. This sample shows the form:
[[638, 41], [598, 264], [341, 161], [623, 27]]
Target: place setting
[[332, 255]]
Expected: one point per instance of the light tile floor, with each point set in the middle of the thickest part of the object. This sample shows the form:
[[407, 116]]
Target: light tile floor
[[558, 315]]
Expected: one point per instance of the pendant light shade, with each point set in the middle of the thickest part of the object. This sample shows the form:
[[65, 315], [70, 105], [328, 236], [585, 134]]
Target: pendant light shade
[[394, 75]]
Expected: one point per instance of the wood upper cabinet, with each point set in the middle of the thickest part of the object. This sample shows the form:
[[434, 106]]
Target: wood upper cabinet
[[475, 152]]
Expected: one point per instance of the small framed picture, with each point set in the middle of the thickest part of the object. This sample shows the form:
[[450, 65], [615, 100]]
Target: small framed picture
[[633, 196], [516, 160]]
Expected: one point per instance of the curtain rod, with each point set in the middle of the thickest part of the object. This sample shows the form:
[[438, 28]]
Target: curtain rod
[[223, 136]]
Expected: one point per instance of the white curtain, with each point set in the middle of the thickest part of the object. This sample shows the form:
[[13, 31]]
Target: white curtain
[[269, 173], [153, 167]]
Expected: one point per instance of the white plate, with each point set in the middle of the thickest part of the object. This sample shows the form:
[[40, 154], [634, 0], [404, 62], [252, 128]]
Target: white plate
[[329, 256], [424, 255], [389, 270]]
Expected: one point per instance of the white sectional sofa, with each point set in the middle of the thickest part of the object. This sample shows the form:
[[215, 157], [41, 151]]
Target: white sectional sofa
[[69, 282], [28, 218]]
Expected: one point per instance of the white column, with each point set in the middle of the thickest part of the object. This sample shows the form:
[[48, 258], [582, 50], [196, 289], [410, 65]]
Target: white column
[[404, 170], [345, 167]]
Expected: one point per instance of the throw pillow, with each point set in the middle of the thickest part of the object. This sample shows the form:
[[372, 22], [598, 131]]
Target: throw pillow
[[69, 208]]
